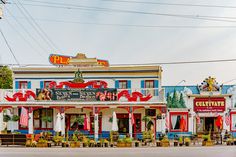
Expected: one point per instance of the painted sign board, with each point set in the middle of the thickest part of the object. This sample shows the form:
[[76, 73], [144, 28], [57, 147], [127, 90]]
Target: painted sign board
[[208, 104], [79, 60], [86, 94]]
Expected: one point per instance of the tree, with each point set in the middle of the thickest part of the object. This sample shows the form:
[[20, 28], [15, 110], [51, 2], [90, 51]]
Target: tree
[[5, 78], [181, 101], [175, 101], [169, 102]]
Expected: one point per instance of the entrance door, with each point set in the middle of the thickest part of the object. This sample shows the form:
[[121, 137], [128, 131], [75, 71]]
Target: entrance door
[[123, 123], [137, 124], [210, 124]]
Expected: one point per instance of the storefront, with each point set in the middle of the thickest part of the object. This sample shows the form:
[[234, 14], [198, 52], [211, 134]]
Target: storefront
[[83, 93]]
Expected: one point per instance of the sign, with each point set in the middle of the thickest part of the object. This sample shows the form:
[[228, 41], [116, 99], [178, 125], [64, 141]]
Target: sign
[[86, 94], [79, 60], [209, 104]]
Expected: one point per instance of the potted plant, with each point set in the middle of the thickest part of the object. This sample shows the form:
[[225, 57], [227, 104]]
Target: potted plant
[[176, 143], [128, 142], [15, 118], [85, 141], [6, 118], [120, 142], [136, 143], [92, 143], [181, 141], [106, 143], [187, 141], [165, 142], [47, 119]]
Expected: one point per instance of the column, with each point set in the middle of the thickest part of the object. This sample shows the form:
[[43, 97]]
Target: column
[[1, 120], [63, 123], [191, 122], [163, 123], [96, 126], [31, 122], [130, 125]]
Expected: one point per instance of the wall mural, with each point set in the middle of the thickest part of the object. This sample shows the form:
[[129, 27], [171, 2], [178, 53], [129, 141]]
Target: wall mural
[[21, 96], [134, 96], [175, 100]]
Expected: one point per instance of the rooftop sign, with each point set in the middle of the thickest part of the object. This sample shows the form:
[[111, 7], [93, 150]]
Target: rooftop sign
[[79, 60]]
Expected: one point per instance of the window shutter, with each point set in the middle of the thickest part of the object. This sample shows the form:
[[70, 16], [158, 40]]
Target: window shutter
[[17, 85], [41, 84], [142, 86], [117, 84], [129, 86], [29, 85], [156, 85]]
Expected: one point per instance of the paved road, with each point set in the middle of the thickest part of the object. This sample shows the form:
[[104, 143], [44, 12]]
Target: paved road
[[217, 151]]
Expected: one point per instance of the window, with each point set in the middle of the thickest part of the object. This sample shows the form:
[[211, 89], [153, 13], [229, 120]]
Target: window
[[43, 119], [179, 121], [123, 84], [233, 122], [46, 84], [149, 84], [23, 85]]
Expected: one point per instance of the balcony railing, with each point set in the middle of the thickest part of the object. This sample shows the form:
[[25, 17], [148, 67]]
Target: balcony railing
[[149, 94]]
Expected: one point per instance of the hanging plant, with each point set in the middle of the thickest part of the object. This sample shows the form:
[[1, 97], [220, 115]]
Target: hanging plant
[[15, 118], [47, 119], [6, 118], [79, 120], [110, 119]]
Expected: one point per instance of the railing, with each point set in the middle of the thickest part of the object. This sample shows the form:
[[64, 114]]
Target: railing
[[153, 94]]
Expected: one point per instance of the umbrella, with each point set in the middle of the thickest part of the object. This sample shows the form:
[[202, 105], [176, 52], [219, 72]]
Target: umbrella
[[114, 122], [58, 127], [182, 124]]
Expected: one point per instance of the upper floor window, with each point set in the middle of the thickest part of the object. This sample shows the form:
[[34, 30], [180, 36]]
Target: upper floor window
[[149, 83], [23, 85], [46, 84], [123, 84]]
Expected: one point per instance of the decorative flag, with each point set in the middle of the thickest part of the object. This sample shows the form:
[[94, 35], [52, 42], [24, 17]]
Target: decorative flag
[[132, 118], [198, 120], [227, 119], [219, 122], [167, 123], [24, 117]]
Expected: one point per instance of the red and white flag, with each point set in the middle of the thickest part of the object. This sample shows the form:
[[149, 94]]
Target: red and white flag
[[24, 117], [227, 119], [167, 123], [132, 118]]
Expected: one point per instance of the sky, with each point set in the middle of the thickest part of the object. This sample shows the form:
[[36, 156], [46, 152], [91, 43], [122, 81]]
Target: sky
[[126, 37]]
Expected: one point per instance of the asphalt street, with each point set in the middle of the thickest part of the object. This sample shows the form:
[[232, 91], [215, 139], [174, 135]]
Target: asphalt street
[[216, 151]]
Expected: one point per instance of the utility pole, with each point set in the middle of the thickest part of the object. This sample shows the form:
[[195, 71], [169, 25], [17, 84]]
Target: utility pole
[[1, 12]]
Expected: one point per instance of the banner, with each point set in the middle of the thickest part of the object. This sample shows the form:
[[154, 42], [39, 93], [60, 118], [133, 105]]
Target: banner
[[86, 94]]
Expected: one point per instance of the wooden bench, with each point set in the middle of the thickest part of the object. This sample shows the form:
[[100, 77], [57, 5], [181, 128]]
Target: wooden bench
[[13, 139]]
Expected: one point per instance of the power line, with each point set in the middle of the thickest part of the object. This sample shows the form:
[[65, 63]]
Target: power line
[[39, 27], [9, 47], [88, 8], [132, 25], [34, 27], [157, 63], [22, 36], [169, 4], [29, 34]]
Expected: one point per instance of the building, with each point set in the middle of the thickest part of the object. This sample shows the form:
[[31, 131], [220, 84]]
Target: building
[[88, 89], [199, 109]]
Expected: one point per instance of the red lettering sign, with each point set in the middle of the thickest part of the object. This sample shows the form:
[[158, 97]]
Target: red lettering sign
[[209, 104], [59, 60]]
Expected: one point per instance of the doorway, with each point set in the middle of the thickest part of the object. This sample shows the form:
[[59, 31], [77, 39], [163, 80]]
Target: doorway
[[209, 124]]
